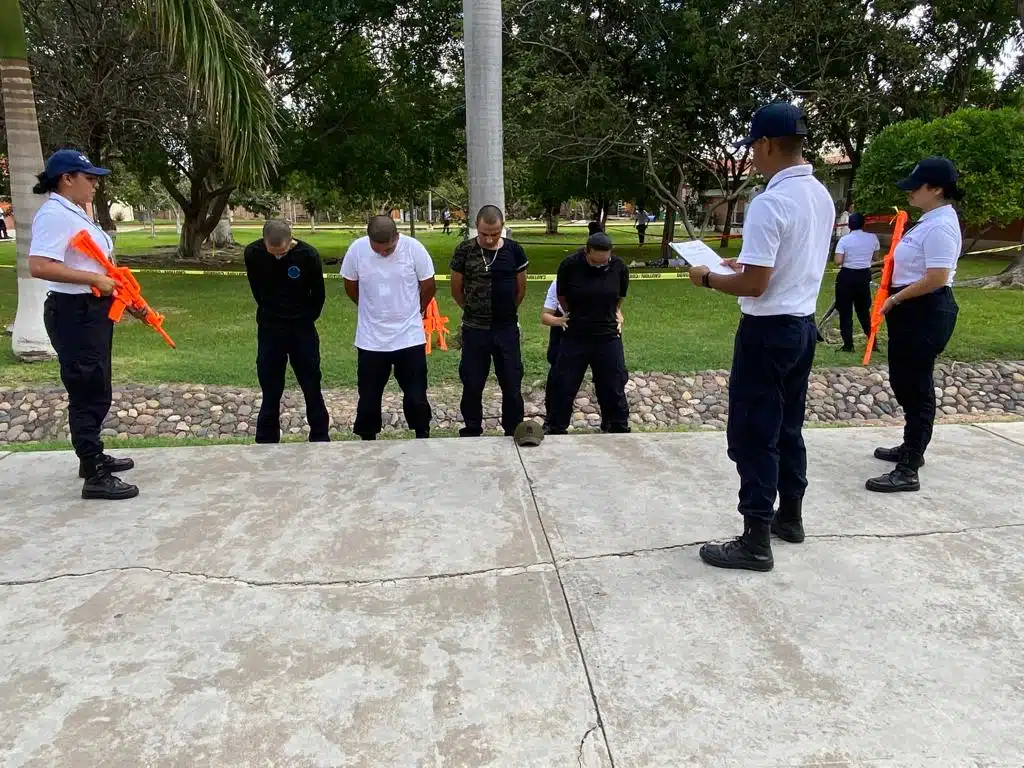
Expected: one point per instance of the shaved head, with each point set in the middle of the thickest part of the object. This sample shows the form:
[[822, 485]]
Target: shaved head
[[277, 233], [381, 229], [490, 214]]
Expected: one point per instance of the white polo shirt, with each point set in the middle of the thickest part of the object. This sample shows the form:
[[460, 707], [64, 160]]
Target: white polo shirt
[[858, 249], [55, 223], [934, 242], [551, 299], [788, 227], [389, 293]]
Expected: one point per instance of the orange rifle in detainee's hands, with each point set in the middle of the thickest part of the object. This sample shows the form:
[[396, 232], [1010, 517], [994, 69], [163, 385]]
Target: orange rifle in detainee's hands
[[886, 284], [127, 293]]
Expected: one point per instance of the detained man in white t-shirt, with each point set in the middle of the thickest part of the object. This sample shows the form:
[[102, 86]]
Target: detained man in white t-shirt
[[854, 254], [787, 233], [390, 278]]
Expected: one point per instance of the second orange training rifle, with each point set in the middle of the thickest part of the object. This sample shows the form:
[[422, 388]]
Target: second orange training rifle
[[127, 293], [886, 283], [433, 323]]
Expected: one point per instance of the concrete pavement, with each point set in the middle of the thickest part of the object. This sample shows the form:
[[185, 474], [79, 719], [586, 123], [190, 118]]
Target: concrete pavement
[[462, 603]]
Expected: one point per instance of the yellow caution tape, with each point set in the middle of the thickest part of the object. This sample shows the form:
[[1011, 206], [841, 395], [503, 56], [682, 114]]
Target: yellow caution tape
[[441, 278]]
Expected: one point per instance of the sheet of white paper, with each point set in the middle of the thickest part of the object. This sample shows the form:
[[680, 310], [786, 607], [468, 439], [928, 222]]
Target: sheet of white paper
[[697, 254]]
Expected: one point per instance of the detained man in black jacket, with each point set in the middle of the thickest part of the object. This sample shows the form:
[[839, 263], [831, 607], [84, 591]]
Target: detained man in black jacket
[[287, 281]]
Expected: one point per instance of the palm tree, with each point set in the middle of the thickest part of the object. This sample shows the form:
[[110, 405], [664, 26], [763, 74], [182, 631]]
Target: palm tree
[[484, 143], [225, 76]]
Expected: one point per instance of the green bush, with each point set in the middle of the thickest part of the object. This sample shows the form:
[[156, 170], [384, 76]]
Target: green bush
[[985, 146]]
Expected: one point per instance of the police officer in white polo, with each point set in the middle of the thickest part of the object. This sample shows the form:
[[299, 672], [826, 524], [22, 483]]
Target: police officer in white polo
[[76, 320], [787, 233], [920, 314], [854, 254]]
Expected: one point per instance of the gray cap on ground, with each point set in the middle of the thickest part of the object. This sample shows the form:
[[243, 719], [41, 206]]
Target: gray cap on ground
[[529, 433]]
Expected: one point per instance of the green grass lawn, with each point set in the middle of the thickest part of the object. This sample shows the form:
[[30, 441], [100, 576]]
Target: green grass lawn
[[670, 325]]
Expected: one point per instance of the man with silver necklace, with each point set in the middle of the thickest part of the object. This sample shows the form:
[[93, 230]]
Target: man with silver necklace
[[489, 283]]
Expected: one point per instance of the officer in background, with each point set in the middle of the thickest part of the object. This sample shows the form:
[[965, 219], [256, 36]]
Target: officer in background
[[77, 321], [551, 316], [489, 284], [287, 281], [591, 285], [854, 254], [920, 314], [787, 234], [390, 278]]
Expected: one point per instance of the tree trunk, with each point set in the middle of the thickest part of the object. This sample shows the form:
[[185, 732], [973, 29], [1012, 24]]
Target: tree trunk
[[312, 221], [484, 138], [202, 215], [668, 232], [1011, 277], [730, 209], [221, 236], [101, 205], [152, 224], [29, 340], [551, 218], [190, 244], [412, 219]]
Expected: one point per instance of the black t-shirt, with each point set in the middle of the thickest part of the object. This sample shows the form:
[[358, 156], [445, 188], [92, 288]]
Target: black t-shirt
[[489, 282], [590, 295], [289, 290]]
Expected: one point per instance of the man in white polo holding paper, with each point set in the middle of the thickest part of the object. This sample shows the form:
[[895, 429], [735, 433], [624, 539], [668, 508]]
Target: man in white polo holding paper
[[786, 237]]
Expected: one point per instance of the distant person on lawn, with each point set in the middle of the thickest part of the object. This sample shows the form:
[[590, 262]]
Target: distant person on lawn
[[77, 321], [287, 281], [489, 283], [854, 254], [390, 278]]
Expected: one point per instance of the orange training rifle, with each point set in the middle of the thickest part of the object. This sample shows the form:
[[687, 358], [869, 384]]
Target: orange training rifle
[[127, 294]]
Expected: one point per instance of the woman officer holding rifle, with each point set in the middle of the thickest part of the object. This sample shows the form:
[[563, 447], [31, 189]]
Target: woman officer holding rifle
[[76, 320], [920, 314]]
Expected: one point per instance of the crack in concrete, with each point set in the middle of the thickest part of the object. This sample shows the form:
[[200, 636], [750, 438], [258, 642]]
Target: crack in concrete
[[509, 570], [984, 428], [583, 742], [299, 583], [817, 536], [572, 621]]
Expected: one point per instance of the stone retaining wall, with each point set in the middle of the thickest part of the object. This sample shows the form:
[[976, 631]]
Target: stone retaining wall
[[656, 400]]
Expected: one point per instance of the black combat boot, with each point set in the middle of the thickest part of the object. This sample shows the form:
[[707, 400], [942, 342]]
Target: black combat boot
[[110, 464], [788, 523], [752, 551], [100, 484], [895, 455], [903, 478]]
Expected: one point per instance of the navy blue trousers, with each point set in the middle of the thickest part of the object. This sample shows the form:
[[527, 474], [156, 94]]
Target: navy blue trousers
[[479, 348], [771, 363], [919, 330]]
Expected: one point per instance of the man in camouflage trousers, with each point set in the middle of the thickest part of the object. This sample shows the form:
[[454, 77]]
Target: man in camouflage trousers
[[489, 283]]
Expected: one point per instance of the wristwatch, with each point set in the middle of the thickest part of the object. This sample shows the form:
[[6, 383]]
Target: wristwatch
[[705, 280]]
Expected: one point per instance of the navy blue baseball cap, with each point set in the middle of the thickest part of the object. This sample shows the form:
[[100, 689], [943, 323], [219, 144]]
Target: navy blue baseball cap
[[774, 121], [933, 171], [71, 161]]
